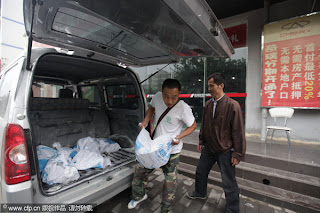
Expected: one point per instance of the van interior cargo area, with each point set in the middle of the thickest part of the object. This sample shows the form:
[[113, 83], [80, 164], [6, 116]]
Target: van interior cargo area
[[105, 101], [118, 159]]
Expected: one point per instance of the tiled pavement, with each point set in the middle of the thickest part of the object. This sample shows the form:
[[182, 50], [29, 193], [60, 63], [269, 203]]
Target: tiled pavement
[[214, 203], [304, 153]]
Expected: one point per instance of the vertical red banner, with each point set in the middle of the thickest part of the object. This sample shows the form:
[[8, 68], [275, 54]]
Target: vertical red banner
[[291, 68]]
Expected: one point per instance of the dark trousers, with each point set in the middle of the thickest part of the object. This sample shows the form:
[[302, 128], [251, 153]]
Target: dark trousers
[[229, 182]]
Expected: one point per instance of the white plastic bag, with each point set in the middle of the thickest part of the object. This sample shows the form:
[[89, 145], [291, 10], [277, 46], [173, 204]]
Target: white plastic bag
[[44, 154], [89, 154], [72, 151], [88, 143], [59, 170], [150, 153], [96, 145], [108, 146], [86, 159]]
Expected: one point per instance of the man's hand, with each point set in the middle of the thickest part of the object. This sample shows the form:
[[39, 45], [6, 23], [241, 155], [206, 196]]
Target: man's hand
[[143, 124], [234, 161], [175, 141], [200, 147]]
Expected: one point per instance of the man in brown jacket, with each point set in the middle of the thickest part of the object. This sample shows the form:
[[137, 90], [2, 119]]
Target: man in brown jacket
[[221, 140]]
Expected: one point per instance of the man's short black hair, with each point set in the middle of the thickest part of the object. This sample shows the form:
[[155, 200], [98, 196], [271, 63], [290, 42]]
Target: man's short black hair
[[218, 78], [171, 84]]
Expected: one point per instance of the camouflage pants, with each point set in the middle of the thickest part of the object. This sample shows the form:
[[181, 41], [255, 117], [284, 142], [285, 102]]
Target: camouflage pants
[[170, 172]]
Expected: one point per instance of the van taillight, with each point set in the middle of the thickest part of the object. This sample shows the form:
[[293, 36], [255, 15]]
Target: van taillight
[[15, 156]]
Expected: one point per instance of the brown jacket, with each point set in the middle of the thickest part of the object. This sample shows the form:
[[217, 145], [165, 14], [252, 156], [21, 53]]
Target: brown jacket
[[226, 130]]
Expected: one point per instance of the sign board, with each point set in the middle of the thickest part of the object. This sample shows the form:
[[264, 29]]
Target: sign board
[[291, 63], [237, 35]]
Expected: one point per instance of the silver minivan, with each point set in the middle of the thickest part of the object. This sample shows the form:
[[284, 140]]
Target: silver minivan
[[85, 88]]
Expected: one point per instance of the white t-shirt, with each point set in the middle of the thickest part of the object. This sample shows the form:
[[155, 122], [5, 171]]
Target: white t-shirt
[[173, 121]]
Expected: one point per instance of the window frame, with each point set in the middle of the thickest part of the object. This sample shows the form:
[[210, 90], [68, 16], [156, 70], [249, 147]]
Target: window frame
[[92, 104], [107, 95]]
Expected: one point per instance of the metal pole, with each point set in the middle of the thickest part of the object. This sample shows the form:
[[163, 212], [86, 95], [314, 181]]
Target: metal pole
[[204, 80], [264, 123]]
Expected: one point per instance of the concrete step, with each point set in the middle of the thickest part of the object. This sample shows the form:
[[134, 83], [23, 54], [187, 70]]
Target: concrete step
[[266, 193], [273, 162], [294, 182]]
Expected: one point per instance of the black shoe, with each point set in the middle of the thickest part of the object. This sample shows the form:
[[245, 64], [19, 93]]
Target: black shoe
[[194, 195]]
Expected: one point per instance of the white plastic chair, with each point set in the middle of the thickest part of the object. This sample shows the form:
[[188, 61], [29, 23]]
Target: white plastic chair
[[280, 112]]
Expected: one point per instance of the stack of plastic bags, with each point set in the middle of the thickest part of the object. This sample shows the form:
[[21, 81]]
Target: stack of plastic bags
[[89, 153], [61, 165]]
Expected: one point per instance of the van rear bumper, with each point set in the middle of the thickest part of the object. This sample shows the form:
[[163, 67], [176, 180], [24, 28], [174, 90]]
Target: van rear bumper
[[17, 193]]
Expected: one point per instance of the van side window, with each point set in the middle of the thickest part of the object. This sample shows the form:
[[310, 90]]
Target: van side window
[[92, 94], [43, 90], [5, 88], [122, 96]]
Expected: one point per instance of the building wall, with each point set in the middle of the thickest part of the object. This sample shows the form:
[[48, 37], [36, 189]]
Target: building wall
[[305, 122], [254, 20], [13, 36]]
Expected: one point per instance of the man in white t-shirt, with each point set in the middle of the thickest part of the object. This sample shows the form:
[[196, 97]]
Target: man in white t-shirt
[[179, 114]]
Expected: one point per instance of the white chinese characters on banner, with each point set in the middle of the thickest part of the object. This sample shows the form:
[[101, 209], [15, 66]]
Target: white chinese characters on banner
[[291, 64]]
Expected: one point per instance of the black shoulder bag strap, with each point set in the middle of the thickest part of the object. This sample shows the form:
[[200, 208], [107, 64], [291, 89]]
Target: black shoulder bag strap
[[161, 117]]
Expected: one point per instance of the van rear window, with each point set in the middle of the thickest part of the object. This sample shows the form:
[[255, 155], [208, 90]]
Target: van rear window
[[142, 33], [43, 90], [92, 94], [109, 35], [122, 96]]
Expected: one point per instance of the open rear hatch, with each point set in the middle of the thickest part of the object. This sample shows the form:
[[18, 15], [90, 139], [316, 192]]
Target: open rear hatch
[[131, 32]]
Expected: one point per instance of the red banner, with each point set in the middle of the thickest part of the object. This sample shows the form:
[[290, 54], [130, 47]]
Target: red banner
[[291, 68], [237, 35]]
